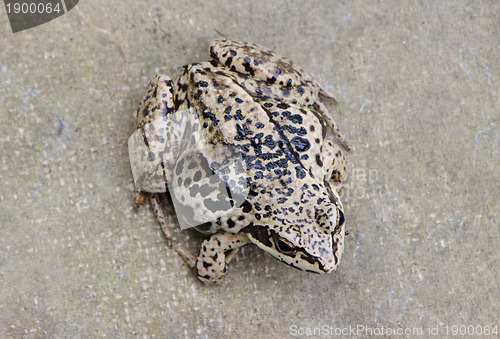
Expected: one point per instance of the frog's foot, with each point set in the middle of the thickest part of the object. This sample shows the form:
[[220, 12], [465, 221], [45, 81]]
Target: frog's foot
[[215, 254], [187, 256], [323, 110], [160, 216], [335, 165], [140, 199], [324, 92], [158, 101]]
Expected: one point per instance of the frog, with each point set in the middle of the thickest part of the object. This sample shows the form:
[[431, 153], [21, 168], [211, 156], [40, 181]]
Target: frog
[[268, 111]]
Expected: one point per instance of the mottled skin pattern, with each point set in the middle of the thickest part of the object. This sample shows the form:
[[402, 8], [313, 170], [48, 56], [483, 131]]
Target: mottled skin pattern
[[268, 109]]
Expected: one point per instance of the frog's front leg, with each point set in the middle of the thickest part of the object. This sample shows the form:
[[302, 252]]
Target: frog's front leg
[[211, 264], [335, 165], [216, 252], [323, 110]]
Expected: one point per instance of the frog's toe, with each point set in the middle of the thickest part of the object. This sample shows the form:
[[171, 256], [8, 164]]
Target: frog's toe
[[324, 92]]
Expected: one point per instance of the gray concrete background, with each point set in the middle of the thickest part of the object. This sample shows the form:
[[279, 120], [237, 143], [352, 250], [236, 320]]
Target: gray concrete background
[[418, 84]]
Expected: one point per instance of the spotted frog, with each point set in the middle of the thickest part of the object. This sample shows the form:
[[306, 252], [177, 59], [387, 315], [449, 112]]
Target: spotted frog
[[267, 109]]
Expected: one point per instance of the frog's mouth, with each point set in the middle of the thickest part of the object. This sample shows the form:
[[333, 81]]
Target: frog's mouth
[[295, 256]]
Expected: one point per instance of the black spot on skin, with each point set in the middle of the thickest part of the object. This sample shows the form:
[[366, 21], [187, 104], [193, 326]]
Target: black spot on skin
[[230, 223], [206, 264], [215, 206], [228, 110], [271, 80], [233, 53], [268, 104], [209, 115], [259, 175], [259, 125], [198, 94], [296, 118], [238, 100], [242, 132], [311, 128], [285, 92], [205, 190], [248, 67], [227, 117], [180, 167], [238, 115], [193, 190], [300, 90], [301, 144], [229, 61], [187, 182], [300, 172], [203, 84], [220, 99], [283, 106], [246, 207], [196, 177], [318, 160], [289, 83]]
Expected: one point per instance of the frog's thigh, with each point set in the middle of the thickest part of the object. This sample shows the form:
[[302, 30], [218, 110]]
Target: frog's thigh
[[211, 265], [157, 102], [335, 164], [258, 62]]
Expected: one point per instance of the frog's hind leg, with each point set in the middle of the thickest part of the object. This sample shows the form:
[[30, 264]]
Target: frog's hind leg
[[158, 101], [323, 110], [160, 216]]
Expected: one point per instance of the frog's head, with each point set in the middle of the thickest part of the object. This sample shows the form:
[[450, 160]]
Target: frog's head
[[312, 241]]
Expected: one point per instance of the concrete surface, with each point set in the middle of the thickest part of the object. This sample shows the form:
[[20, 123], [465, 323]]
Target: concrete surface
[[418, 84]]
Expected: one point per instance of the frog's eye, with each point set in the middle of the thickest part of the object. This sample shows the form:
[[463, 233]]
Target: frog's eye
[[285, 246], [341, 218]]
